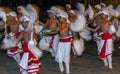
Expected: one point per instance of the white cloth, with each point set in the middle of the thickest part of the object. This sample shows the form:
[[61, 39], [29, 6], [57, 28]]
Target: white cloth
[[85, 34], [78, 47], [79, 24], [9, 42], [112, 29], [63, 52], [38, 28], [109, 46], [24, 64], [44, 43], [118, 31], [36, 51]]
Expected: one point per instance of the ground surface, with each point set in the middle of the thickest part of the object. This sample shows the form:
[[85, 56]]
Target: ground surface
[[86, 64]]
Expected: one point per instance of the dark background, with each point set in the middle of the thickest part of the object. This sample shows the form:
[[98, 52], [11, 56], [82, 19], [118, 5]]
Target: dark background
[[46, 4]]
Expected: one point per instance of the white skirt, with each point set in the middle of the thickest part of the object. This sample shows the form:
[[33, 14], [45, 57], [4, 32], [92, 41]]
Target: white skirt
[[63, 52]]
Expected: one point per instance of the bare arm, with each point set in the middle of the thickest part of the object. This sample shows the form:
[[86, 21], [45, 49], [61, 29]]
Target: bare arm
[[19, 38], [91, 29]]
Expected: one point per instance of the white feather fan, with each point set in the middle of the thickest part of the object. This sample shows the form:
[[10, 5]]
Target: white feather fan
[[118, 8], [113, 12], [79, 24], [89, 12], [3, 15], [81, 8], [23, 11], [32, 13]]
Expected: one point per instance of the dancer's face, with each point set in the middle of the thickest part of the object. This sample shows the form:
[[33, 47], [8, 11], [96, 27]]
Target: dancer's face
[[25, 24], [61, 19]]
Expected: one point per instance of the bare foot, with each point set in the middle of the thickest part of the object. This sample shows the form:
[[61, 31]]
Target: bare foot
[[110, 69], [62, 73], [105, 67]]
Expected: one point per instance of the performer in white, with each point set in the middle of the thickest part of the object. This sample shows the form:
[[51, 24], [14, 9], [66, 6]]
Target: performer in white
[[106, 43], [3, 19], [50, 34], [10, 41], [64, 46], [29, 63], [77, 25]]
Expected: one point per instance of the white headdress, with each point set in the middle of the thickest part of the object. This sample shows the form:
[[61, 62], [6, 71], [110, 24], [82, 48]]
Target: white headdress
[[64, 15], [24, 19], [56, 10], [103, 4], [68, 5], [51, 11], [71, 11], [12, 13], [97, 6]]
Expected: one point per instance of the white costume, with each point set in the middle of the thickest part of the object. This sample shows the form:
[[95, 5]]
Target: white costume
[[63, 53], [49, 43], [78, 26], [64, 46], [10, 44], [105, 49]]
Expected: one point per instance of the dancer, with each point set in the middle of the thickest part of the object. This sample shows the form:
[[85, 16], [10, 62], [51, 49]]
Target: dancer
[[29, 63], [64, 46], [51, 33], [106, 43]]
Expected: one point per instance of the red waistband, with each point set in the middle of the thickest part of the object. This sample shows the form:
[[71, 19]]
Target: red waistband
[[52, 34], [67, 39], [106, 36]]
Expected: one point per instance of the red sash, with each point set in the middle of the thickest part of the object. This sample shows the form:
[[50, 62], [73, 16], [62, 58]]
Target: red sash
[[53, 36], [67, 39], [104, 36]]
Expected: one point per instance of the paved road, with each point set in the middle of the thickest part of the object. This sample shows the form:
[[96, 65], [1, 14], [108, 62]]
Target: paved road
[[86, 64]]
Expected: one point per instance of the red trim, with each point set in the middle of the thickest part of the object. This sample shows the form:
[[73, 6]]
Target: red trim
[[89, 21], [69, 39], [22, 68], [109, 54], [102, 53], [53, 36], [17, 35], [104, 36]]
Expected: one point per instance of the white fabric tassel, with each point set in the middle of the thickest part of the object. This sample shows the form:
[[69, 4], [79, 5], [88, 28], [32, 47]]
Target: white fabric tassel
[[33, 48], [44, 43], [78, 47], [24, 63]]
